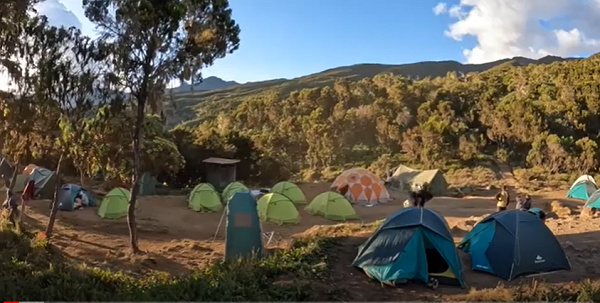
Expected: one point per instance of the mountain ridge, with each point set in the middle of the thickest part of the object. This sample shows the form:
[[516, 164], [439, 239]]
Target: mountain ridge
[[194, 106]]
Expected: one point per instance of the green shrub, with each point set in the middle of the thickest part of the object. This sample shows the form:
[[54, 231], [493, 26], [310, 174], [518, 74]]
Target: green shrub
[[31, 271]]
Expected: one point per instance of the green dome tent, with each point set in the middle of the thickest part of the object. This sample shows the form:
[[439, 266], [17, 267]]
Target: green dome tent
[[231, 189], [332, 206], [204, 197], [115, 204], [290, 190], [278, 209]]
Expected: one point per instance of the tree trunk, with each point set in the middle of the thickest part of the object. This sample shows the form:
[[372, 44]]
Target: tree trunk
[[54, 209], [137, 134], [81, 177], [13, 179]]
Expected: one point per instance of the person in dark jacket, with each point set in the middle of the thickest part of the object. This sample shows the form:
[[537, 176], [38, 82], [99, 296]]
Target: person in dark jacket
[[421, 197], [523, 204], [11, 204]]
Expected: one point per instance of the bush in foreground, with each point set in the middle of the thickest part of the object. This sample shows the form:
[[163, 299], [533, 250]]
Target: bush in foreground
[[30, 271]]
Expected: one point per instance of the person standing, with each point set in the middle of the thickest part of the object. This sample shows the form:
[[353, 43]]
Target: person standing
[[11, 204], [503, 199]]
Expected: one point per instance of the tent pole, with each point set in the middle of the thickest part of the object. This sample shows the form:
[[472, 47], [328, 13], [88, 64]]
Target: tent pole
[[219, 226]]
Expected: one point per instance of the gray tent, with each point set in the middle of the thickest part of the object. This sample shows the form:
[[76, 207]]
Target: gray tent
[[405, 178], [45, 181], [6, 168]]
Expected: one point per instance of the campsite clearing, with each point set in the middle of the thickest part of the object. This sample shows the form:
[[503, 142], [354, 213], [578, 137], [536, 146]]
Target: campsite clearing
[[179, 240]]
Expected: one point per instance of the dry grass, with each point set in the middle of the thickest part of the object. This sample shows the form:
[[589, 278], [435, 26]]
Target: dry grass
[[341, 230], [479, 176], [584, 291]]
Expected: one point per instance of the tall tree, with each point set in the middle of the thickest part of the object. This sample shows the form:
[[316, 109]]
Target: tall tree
[[153, 41], [20, 49], [70, 80]]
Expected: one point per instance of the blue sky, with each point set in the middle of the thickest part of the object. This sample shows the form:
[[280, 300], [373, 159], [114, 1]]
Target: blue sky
[[292, 38]]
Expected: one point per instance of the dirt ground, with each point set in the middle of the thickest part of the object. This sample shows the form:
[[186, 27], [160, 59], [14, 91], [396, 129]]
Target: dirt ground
[[178, 240]]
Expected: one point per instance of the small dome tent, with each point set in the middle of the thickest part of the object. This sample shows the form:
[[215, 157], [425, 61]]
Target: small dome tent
[[204, 197], [582, 188], [332, 206], [290, 190], [115, 204], [69, 192], [231, 189], [278, 209]]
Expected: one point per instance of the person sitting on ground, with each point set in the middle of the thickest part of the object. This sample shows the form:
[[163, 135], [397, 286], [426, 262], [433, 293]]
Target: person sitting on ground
[[11, 204], [502, 199], [81, 200], [525, 204]]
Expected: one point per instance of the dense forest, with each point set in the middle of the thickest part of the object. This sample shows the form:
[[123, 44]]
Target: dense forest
[[543, 116], [534, 116]]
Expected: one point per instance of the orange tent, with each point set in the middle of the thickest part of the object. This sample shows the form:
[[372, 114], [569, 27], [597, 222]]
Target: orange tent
[[28, 169], [362, 185]]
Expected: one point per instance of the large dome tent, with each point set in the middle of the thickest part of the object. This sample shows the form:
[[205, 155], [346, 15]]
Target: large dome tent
[[363, 186], [412, 244], [514, 243]]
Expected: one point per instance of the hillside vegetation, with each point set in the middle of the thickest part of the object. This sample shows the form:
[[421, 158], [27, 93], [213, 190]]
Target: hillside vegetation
[[192, 107], [537, 116], [543, 116]]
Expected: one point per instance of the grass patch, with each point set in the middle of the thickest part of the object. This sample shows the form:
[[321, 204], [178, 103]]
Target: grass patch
[[31, 271], [342, 229], [584, 291], [479, 176]]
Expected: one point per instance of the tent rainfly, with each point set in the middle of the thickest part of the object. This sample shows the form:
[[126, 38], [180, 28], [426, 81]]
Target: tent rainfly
[[404, 177]]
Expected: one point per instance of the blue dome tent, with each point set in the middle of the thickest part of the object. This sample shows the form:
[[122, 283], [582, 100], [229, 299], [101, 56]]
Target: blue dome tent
[[67, 195], [582, 188], [394, 253], [514, 243]]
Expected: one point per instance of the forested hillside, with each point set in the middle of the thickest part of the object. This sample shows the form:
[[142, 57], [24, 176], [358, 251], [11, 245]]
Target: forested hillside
[[534, 115], [193, 107]]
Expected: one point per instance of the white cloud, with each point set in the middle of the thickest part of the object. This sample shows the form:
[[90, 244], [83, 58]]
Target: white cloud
[[58, 14], [65, 13], [440, 8], [509, 28]]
